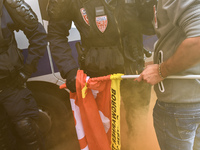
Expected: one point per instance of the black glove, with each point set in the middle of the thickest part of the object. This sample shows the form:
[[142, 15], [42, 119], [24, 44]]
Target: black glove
[[134, 61], [22, 76], [133, 67], [71, 80], [133, 53]]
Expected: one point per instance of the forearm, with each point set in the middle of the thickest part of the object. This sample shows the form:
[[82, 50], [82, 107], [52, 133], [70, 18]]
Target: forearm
[[58, 32], [187, 55], [38, 41]]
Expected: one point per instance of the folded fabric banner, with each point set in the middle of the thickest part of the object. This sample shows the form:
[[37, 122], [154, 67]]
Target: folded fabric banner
[[96, 109]]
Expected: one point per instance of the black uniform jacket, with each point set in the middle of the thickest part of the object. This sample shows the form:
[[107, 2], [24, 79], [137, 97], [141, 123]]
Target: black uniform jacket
[[17, 15], [100, 23]]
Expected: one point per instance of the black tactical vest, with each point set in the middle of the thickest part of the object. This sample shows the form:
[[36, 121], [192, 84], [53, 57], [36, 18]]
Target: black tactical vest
[[104, 55]]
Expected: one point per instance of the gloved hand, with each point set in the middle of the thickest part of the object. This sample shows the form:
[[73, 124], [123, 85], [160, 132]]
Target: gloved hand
[[133, 53], [133, 67], [134, 61], [71, 80], [22, 76]]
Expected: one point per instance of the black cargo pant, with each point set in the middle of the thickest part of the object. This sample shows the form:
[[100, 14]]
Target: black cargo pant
[[16, 104]]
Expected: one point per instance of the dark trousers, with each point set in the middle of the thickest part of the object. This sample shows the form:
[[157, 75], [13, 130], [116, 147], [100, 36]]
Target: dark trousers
[[15, 105]]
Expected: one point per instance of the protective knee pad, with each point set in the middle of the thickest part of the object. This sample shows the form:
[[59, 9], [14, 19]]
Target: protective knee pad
[[29, 133]]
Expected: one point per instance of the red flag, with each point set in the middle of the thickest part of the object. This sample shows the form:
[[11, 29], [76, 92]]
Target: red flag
[[91, 105]]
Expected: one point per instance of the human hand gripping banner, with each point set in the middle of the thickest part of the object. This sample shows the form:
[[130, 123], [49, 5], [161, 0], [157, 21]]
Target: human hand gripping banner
[[96, 109]]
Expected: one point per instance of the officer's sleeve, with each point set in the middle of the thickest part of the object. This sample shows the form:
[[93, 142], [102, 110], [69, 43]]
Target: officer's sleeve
[[184, 14], [145, 10], [132, 38], [131, 17], [131, 24], [26, 20], [60, 20]]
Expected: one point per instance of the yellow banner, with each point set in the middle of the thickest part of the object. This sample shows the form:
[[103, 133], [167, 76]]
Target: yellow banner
[[115, 111]]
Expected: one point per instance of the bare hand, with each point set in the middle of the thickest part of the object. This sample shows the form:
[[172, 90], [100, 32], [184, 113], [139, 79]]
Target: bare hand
[[150, 75]]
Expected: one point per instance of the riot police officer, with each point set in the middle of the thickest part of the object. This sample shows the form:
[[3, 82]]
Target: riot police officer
[[18, 109], [111, 42]]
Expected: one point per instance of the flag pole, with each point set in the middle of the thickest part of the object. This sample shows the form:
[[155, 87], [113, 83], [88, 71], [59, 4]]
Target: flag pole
[[169, 77]]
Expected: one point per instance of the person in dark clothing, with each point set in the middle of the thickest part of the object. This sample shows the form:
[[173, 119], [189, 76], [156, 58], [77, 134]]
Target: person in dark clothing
[[18, 109], [111, 42]]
